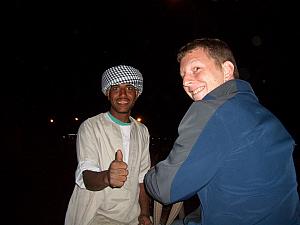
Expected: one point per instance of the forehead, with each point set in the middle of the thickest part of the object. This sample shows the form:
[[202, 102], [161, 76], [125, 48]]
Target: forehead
[[195, 57], [198, 53]]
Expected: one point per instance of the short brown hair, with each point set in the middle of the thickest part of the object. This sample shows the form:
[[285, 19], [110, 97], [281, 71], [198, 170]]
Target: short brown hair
[[215, 48]]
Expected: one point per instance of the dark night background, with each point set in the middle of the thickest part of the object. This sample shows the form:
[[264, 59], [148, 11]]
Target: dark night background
[[62, 48]]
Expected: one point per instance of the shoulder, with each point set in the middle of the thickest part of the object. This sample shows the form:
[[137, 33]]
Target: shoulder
[[140, 126], [91, 121]]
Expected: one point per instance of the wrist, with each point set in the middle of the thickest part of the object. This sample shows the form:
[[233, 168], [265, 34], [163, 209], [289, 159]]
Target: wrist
[[105, 179], [145, 214]]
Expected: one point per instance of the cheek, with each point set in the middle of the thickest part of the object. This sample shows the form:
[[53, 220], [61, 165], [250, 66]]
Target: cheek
[[133, 96], [134, 100], [215, 83], [186, 89]]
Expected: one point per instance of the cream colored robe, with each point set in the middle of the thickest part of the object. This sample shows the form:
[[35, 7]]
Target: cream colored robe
[[97, 140]]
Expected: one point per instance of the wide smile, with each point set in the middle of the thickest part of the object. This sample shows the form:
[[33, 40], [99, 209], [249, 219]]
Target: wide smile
[[197, 90], [123, 101]]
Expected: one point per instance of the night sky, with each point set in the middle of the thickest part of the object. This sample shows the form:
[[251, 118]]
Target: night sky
[[62, 48]]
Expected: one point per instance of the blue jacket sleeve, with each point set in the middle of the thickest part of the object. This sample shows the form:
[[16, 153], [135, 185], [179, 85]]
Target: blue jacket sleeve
[[194, 159]]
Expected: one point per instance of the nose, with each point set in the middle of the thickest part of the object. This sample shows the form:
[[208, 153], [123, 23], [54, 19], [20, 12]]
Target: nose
[[122, 91], [186, 80]]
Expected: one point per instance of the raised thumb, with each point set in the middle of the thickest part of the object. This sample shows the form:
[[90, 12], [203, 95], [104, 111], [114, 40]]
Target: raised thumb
[[119, 155]]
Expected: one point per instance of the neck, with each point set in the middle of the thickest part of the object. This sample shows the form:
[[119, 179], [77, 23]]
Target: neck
[[122, 117]]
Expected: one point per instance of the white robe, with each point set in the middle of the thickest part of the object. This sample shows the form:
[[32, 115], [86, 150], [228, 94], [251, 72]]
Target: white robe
[[97, 140]]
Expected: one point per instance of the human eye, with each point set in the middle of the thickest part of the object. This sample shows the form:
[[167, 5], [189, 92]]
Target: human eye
[[114, 88], [196, 69], [130, 88]]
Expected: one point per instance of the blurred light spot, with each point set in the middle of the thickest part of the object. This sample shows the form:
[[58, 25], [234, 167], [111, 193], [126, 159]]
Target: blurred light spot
[[256, 41]]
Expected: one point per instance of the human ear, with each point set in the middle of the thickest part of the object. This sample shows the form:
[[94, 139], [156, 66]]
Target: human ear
[[228, 69], [136, 95], [107, 95]]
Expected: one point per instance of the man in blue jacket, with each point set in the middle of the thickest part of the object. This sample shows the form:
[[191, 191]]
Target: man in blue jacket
[[231, 151]]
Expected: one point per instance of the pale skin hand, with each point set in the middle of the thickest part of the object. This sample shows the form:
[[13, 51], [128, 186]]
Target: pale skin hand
[[117, 171]]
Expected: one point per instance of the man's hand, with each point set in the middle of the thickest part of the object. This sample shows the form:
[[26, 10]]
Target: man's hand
[[144, 220], [117, 171]]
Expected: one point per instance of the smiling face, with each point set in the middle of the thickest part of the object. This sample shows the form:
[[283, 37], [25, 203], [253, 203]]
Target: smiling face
[[122, 98], [201, 74]]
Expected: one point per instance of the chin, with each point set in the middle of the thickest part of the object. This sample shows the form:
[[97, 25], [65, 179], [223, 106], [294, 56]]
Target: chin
[[124, 111], [197, 98]]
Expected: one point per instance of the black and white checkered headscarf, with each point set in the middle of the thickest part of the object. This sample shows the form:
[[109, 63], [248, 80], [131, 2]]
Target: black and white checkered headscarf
[[122, 75]]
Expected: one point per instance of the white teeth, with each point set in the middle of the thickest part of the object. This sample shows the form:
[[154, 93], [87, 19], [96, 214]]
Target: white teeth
[[197, 90], [122, 102]]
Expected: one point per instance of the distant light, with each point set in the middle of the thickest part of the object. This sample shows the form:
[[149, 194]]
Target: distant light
[[139, 119], [51, 120], [76, 118], [256, 40]]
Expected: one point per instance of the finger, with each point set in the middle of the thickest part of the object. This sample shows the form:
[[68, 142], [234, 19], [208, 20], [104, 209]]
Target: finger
[[121, 172], [119, 156], [117, 181], [116, 184], [116, 173]]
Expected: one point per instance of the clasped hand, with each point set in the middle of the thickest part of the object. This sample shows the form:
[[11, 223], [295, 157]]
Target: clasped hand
[[117, 172]]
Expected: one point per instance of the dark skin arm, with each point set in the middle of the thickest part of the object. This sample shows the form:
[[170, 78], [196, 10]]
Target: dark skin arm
[[115, 176], [144, 218]]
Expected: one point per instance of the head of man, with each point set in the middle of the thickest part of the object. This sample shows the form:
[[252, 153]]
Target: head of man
[[122, 85], [205, 64]]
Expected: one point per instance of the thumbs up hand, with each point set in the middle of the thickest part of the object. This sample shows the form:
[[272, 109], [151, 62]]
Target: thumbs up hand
[[117, 171]]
